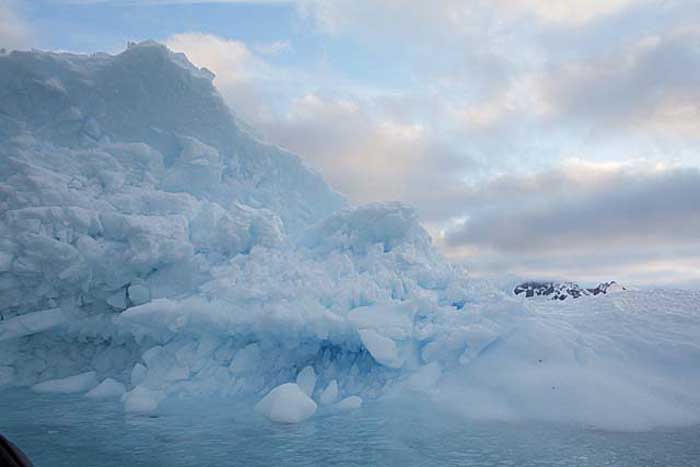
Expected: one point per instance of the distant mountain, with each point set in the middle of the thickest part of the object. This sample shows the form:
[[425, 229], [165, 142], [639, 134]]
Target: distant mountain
[[564, 290]]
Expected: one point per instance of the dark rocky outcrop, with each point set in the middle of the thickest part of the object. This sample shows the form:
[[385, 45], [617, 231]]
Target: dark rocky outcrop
[[563, 290]]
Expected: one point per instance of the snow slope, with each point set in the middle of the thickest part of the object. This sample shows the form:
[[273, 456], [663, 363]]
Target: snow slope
[[628, 360], [150, 243]]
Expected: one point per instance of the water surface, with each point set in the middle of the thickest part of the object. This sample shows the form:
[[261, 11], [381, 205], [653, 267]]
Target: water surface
[[58, 431]]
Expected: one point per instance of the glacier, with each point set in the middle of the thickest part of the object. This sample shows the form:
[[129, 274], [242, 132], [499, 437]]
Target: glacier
[[153, 249]]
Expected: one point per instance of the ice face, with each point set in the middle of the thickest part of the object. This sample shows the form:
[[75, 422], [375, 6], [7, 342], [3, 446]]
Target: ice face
[[382, 349], [31, 323], [125, 181], [146, 240], [330, 394], [306, 380], [70, 384], [107, 389]]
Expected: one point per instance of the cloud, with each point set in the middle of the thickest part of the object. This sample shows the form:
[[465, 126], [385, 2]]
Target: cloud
[[14, 32], [522, 82], [581, 205], [248, 83], [624, 83], [273, 48], [369, 155], [568, 12], [230, 56], [651, 84], [498, 95], [578, 216], [362, 143], [165, 2], [454, 17]]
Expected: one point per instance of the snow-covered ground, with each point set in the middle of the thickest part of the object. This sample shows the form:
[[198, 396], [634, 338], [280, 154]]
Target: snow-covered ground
[[150, 249]]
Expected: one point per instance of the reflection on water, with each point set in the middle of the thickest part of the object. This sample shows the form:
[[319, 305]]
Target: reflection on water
[[72, 431]]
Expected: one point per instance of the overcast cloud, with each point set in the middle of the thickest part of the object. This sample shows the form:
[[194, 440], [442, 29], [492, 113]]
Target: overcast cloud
[[14, 33], [564, 210], [547, 139]]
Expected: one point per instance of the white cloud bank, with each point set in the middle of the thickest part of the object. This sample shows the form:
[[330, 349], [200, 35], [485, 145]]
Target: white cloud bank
[[14, 32], [504, 87], [362, 148]]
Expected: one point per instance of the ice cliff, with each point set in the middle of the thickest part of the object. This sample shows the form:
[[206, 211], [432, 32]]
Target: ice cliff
[[151, 248], [142, 228]]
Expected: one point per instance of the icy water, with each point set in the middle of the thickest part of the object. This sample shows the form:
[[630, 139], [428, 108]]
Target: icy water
[[73, 431]]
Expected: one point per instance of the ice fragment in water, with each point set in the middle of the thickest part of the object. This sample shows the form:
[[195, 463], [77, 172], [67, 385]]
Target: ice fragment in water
[[286, 403]]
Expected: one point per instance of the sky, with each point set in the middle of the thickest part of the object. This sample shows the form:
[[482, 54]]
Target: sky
[[549, 140]]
